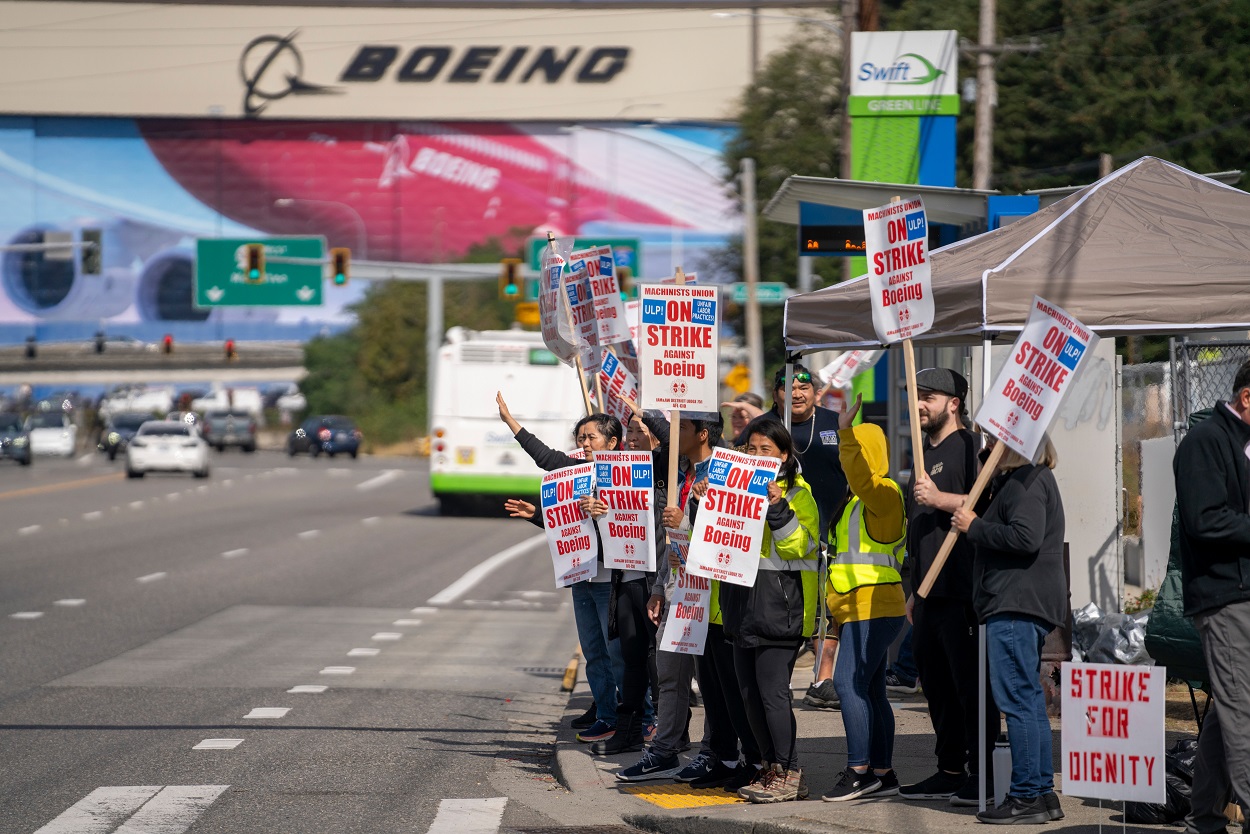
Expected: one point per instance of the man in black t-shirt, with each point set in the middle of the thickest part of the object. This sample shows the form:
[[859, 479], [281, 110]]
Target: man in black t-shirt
[[944, 626]]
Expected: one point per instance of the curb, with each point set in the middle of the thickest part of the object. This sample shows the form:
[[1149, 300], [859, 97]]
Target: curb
[[722, 825]]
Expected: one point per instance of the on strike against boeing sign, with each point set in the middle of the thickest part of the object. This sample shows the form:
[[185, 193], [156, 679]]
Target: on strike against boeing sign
[[678, 347], [899, 280]]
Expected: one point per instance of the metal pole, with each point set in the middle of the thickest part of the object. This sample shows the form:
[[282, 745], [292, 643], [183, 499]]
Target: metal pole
[[805, 274], [433, 337], [982, 650], [751, 274], [983, 134]]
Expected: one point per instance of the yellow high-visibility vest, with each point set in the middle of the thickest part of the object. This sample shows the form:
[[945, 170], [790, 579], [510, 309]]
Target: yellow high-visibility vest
[[859, 559]]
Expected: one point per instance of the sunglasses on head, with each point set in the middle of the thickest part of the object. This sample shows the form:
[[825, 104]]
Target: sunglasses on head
[[802, 377]]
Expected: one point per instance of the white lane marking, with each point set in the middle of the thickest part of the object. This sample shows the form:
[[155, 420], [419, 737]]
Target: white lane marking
[[373, 519], [136, 505], [381, 480], [100, 810], [152, 577], [83, 460], [234, 554], [173, 810], [268, 712], [173, 496], [26, 531], [310, 534], [228, 482], [218, 744], [70, 603], [201, 489], [479, 572], [386, 635], [338, 473], [27, 615], [307, 689], [338, 670], [407, 623], [424, 609], [469, 816], [364, 653], [535, 594], [92, 516]]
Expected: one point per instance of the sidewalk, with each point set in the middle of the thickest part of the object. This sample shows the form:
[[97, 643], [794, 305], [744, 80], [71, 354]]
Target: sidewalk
[[666, 807]]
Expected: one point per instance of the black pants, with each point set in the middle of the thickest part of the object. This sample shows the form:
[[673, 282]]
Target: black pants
[[944, 644], [722, 700], [764, 674], [637, 635]]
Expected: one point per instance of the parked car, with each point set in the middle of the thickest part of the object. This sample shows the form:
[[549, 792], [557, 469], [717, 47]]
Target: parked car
[[329, 433], [52, 433], [234, 427], [118, 431], [167, 446], [14, 440]]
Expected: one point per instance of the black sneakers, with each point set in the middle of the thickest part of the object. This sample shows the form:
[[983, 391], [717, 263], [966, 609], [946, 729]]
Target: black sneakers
[[650, 766], [941, 785], [1017, 811], [889, 784], [853, 785], [1053, 809], [583, 721], [720, 775], [701, 766], [969, 795], [822, 696]]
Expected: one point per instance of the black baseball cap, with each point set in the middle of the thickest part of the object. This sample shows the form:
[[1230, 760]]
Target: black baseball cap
[[944, 381]]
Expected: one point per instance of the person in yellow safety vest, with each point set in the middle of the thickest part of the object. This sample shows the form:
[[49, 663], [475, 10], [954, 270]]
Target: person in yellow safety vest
[[769, 620], [866, 602]]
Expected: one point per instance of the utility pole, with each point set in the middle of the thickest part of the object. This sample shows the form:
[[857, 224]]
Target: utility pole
[[751, 275], [987, 51]]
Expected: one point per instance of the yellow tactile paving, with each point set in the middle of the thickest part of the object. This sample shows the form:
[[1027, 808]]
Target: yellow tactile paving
[[682, 796]]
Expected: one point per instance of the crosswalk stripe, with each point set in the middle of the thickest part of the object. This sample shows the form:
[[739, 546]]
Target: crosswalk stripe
[[173, 810], [100, 810], [469, 816]]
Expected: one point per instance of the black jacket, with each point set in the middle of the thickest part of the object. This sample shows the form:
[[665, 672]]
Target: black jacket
[[1018, 562], [1213, 499]]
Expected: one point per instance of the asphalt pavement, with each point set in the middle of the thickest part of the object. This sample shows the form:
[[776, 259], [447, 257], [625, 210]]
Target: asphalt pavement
[[293, 645]]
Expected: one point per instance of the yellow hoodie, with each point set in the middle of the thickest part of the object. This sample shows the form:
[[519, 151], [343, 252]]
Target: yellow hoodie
[[865, 459]]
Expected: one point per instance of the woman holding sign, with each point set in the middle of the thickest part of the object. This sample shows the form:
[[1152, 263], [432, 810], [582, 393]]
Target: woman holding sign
[[1021, 596], [769, 620]]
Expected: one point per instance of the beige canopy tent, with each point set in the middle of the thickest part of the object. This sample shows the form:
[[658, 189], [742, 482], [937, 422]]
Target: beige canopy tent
[[1152, 248]]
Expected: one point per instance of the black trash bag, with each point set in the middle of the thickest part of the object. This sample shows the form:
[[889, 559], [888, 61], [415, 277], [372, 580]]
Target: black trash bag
[[1179, 766]]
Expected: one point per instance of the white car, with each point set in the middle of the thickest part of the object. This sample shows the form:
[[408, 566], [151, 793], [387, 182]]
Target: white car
[[52, 433], [167, 446]]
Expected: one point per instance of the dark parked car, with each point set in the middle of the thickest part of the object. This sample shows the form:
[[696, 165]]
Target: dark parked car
[[14, 439], [233, 427], [119, 431], [327, 433]]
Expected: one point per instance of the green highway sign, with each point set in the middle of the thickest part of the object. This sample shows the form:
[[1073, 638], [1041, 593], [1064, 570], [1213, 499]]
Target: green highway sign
[[292, 277], [766, 292], [626, 251]]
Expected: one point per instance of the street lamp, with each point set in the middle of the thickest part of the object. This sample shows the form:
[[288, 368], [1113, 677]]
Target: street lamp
[[362, 234]]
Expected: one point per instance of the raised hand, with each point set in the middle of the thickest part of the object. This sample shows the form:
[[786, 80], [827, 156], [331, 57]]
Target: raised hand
[[847, 418], [518, 508]]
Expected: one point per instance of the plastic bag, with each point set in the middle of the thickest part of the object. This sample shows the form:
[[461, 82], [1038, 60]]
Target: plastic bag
[[1179, 766]]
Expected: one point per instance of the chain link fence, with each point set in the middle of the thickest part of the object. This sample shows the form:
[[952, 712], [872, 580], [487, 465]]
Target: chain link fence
[[1204, 375]]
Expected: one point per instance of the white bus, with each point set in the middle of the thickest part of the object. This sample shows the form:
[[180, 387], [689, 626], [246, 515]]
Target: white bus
[[472, 454]]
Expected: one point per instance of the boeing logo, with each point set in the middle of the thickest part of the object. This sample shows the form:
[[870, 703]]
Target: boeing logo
[[271, 69], [902, 71], [492, 64]]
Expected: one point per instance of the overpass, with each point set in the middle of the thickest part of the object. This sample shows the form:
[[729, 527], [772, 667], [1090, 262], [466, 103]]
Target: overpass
[[78, 363]]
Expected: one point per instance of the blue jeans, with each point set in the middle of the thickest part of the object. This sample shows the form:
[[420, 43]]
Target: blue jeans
[[603, 670], [905, 664], [1014, 649], [859, 677]]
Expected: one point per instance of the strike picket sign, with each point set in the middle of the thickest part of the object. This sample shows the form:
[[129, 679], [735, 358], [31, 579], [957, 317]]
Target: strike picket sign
[[729, 531], [899, 279], [625, 482], [1029, 390], [677, 351], [550, 309], [685, 624], [618, 384], [1113, 731], [598, 269], [570, 531]]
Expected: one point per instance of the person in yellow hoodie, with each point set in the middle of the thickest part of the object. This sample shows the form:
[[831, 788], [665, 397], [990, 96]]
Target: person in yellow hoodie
[[866, 601], [769, 620]]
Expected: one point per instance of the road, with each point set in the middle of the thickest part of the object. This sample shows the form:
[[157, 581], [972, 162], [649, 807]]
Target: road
[[310, 620]]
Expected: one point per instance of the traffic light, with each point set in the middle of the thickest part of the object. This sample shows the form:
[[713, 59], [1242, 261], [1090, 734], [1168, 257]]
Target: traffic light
[[91, 256], [167, 344], [511, 287], [230, 353], [254, 272], [340, 265]]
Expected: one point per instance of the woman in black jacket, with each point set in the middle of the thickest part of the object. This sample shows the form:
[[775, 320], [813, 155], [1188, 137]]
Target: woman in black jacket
[[1021, 596]]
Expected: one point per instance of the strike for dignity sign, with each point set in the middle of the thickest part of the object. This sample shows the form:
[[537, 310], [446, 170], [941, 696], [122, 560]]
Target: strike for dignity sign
[[1028, 391], [570, 533], [729, 529], [677, 348], [1113, 731], [625, 482], [897, 239]]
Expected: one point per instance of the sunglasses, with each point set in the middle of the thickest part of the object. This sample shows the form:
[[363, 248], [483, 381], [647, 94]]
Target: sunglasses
[[802, 377]]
